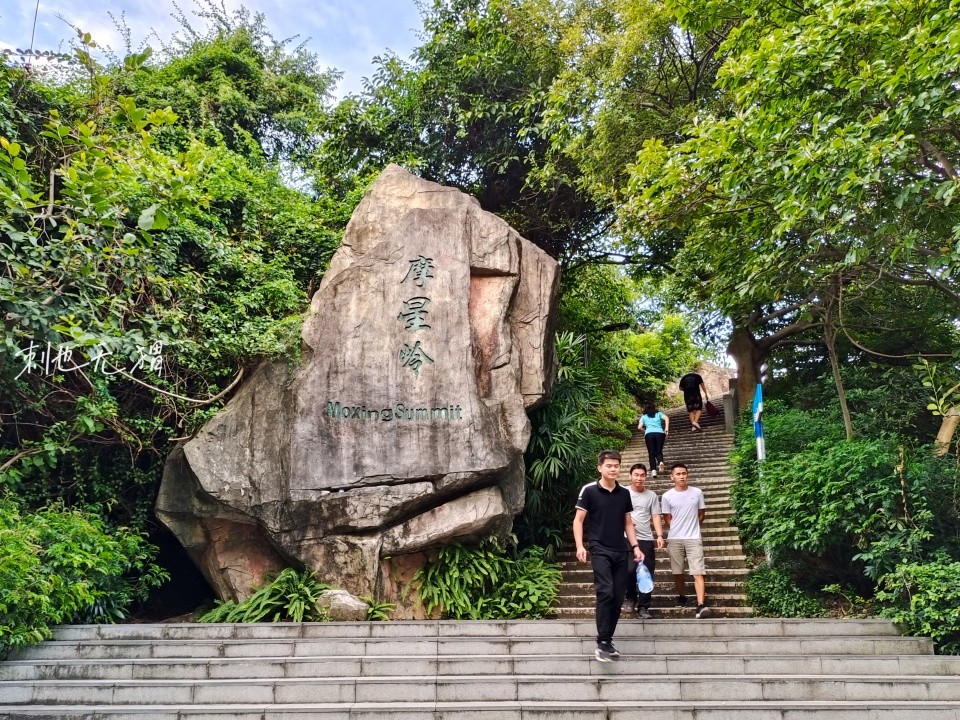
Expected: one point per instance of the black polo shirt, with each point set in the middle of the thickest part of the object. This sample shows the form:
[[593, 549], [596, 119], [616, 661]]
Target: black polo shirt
[[605, 515]]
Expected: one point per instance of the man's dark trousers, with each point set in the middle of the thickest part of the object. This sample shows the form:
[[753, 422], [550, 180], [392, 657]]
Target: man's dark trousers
[[639, 599], [610, 582]]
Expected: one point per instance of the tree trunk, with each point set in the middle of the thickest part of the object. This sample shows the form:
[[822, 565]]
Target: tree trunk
[[830, 337], [948, 428], [749, 357]]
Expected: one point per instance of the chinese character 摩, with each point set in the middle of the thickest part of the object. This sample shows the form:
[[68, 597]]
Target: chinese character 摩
[[420, 270]]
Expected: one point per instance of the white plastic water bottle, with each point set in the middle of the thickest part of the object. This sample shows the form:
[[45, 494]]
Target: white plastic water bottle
[[644, 579]]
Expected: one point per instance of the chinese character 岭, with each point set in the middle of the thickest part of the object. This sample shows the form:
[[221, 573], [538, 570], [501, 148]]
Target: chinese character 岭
[[413, 357]]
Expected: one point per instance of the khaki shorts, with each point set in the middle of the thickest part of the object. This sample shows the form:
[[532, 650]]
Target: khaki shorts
[[692, 550]]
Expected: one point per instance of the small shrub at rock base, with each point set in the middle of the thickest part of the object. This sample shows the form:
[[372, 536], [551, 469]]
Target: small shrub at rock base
[[773, 593], [378, 610], [924, 598], [488, 582], [290, 597]]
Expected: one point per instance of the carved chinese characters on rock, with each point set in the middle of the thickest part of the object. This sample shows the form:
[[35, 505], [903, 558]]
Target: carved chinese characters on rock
[[414, 312]]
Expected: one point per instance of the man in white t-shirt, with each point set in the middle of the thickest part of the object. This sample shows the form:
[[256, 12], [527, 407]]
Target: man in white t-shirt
[[683, 509]]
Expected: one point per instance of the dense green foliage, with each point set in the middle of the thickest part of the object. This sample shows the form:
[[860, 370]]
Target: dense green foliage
[[487, 583], [141, 274], [291, 596], [865, 514], [771, 592], [924, 598], [61, 566]]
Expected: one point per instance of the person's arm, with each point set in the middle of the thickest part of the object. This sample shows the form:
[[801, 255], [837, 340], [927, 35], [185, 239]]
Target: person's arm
[[704, 388], [632, 537], [701, 514], [666, 424], [658, 528], [578, 534], [667, 517]]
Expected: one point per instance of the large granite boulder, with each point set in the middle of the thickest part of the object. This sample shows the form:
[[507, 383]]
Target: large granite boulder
[[404, 425]]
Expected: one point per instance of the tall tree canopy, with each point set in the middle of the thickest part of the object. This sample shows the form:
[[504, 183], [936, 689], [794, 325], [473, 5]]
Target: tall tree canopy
[[830, 170]]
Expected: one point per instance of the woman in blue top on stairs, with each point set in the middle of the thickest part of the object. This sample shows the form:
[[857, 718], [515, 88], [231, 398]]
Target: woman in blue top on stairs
[[656, 427]]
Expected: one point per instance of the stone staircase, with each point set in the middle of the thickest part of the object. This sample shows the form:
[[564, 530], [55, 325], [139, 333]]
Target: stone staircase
[[705, 454], [712, 669]]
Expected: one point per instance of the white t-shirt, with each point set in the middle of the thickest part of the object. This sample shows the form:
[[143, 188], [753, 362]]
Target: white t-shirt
[[645, 505], [684, 507]]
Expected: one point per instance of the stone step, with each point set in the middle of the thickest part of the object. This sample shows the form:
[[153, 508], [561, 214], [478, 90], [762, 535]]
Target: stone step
[[663, 577], [171, 633], [716, 548], [416, 647], [389, 666], [660, 614], [664, 581], [664, 599], [480, 688], [516, 710]]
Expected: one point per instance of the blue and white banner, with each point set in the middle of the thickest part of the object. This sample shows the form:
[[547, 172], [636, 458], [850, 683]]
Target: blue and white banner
[[758, 423]]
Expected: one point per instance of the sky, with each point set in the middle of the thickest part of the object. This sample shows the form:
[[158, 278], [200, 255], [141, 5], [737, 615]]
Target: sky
[[344, 34]]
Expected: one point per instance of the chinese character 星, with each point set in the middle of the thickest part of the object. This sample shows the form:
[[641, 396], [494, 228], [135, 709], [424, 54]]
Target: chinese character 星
[[414, 313]]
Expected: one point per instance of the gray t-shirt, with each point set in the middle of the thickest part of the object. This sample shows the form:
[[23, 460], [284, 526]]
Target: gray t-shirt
[[645, 505], [684, 507]]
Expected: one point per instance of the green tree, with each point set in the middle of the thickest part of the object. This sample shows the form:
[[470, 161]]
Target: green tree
[[470, 112], [831, 169]]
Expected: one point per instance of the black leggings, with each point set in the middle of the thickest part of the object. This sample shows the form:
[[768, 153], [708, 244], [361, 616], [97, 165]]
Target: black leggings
[[655, 441]]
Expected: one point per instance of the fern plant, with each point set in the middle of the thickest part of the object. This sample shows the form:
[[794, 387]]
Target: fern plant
[[488, 582], [291, 596]]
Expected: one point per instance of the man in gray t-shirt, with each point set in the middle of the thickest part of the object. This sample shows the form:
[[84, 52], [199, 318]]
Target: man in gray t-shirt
[[646, 510], [684, 509]]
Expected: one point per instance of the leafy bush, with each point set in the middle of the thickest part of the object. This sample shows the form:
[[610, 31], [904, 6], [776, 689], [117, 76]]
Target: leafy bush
[[290, 597], [772, 593], [485, 583], [59, 566], [924, 598], [844, 511]]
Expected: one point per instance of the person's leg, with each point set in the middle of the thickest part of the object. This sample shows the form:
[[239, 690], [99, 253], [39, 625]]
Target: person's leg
[[656, 458], [649, 549], [607, 607], [675, 550], [650, 441], [618, 566], [695, 417], [697, 567], [700, 586], [632, 581]]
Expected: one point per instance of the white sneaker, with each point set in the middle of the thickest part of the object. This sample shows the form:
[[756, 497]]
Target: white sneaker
[[653, 473]]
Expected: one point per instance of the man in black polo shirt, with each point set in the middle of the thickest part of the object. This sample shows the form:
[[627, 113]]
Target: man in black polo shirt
[[611, 536]]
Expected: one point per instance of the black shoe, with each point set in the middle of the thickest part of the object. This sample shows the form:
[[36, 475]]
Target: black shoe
[[606, 652], [643, 614], [702, 612], [681, 601]]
